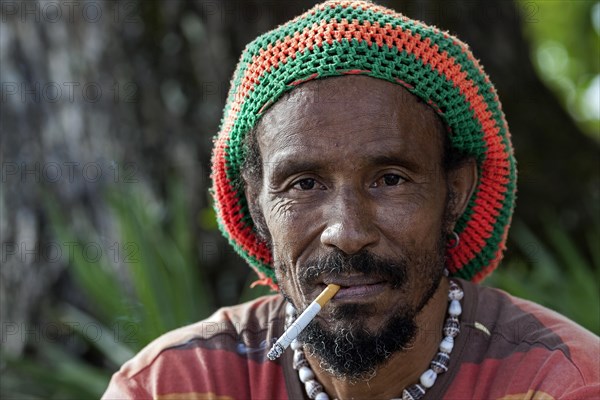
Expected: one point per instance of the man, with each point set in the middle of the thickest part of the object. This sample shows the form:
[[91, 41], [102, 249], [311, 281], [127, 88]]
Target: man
[[363, 149]]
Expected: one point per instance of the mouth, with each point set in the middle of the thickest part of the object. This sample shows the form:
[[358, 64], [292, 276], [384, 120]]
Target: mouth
[[356, 288]]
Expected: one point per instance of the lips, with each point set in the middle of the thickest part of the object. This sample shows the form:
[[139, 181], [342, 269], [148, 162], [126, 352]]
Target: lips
[[355, 288]]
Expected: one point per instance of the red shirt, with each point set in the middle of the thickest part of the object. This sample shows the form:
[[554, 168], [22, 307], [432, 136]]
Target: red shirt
[[508, 348]]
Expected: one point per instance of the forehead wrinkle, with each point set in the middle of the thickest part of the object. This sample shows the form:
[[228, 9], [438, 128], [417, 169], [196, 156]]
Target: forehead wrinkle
[[303, 123], [291, 160], [289, 124], [308, 100], [388, 136], [282, 127]]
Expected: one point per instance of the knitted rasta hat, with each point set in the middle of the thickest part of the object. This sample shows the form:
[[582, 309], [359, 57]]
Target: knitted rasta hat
[[357, 37]]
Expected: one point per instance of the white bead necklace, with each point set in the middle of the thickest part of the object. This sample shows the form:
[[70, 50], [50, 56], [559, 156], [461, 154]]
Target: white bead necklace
[[438, 365]]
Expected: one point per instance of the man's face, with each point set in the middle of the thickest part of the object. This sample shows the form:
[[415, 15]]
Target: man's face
[[353, 193]]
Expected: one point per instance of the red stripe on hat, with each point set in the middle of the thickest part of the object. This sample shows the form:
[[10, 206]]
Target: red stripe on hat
[[229, 210]]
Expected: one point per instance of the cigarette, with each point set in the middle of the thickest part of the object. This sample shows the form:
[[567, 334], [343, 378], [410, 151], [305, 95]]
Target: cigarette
[[302, 321]]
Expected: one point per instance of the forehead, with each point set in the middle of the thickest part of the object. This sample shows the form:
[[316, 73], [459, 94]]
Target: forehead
[[352, 116]]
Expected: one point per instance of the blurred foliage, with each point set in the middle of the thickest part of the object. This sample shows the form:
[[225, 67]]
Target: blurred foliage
[[566, 54], [540, 274], [154, 286]]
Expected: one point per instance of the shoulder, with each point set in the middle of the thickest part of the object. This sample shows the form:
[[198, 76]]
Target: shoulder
[[194, 358], [517, 347], [254, 318], [521, 321]]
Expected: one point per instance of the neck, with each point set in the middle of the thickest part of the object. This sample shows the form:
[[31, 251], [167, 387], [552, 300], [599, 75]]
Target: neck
[[402, 368]]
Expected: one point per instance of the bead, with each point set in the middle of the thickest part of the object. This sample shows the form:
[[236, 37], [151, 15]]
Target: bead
[[440, 362], [321, 396], [296, 345], [428, 378], [447, 344], [414, 392], [451, 327], [289, 309], [313, 388], [299, 360], [455, 309], [455, 292], [305, 374], [438, 365]]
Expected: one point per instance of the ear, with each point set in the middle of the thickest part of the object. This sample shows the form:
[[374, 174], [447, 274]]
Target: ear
[[462, 181]]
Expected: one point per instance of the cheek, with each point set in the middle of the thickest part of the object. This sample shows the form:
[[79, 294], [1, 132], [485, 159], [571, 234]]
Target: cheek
[[280, 208], [278, 215], [414, 223], [287, 279], [292, 226], [283, 226]]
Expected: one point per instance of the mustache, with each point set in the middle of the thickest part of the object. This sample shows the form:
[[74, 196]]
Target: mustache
[[393, 271]]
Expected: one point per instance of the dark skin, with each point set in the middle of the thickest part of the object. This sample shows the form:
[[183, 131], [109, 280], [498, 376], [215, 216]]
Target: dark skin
[[355, 163]]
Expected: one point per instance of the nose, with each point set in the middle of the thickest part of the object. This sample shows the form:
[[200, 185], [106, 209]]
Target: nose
[[350, 226]]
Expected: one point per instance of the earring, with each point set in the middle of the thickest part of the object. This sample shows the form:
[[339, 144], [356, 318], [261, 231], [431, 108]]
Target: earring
[[454, 241]]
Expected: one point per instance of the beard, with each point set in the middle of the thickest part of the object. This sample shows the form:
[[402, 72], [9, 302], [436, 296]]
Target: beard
[[347, 348]]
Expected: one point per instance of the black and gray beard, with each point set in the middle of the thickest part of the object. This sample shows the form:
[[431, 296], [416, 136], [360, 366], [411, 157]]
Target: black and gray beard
[[352, 352]]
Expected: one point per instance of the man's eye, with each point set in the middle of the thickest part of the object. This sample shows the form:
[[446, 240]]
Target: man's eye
[[389, 180], [305, 184], [392, 179]]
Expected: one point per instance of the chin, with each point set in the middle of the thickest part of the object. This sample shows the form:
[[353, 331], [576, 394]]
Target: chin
[[350, 348]]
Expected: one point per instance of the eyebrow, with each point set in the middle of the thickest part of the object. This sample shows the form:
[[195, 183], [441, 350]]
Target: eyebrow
[[385, 159], [288, 167]]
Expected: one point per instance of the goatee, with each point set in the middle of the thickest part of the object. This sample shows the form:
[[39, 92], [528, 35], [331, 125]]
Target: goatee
[[352, 352]]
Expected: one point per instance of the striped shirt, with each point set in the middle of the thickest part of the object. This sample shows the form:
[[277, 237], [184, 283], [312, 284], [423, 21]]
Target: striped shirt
[[508, 348]]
